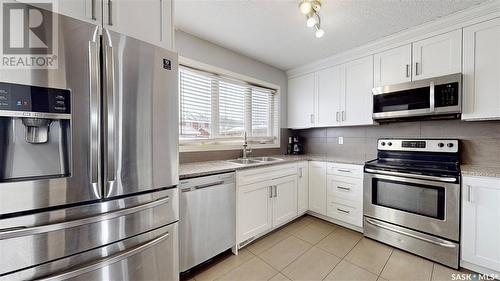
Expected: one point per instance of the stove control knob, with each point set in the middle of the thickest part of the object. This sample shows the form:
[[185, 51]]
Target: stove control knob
[[389, 143], [450, 145], [383, 143], [441, 144]]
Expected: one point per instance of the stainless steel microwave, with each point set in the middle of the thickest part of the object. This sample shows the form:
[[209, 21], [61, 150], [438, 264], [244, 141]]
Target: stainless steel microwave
[[437, 97]]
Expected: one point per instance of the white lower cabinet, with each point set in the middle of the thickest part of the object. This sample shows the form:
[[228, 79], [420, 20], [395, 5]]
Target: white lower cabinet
[[345, 193], [266, 201], [480, 239], [254, 210], [317, 187], [302, 187], [284, 200]]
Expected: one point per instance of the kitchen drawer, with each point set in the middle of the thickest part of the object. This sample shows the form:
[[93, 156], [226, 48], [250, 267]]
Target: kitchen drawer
[[267, 173], [346, 170], [348, 214], [345, 188]]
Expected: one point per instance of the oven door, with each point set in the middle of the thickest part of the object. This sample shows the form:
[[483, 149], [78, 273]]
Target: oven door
[[424, 205]]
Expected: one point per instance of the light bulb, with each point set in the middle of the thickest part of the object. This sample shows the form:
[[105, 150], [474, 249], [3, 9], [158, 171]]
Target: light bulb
[[316, 5], [319, 33], [311, 21], [305, 7]]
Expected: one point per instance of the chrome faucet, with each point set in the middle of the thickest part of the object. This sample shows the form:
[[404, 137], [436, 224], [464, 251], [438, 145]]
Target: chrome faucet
[[246, 148]]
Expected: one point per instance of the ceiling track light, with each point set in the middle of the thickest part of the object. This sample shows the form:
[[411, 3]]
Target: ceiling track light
[[310, 9]]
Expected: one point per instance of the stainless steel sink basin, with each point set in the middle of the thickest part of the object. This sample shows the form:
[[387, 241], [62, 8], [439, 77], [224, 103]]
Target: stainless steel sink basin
[[254, 160], [244, 161], [266, 159]]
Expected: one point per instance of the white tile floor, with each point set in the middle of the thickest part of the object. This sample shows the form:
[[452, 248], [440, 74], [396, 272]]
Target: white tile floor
[[312, 249]]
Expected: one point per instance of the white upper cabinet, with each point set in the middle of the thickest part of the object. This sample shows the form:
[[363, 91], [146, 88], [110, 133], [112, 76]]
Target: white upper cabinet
[[357, 99], [86, 10], [342, 96], [392, 66], [481, 71], [431, 57], [301, 101], [329, 91], [146, 20], [481, 222], [437, 56]]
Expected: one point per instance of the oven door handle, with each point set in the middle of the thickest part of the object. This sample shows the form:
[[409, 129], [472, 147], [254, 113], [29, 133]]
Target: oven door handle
[[435, 241], [424, 177]]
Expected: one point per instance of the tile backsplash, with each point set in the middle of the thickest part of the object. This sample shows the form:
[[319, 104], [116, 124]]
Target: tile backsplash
[[479, 141]]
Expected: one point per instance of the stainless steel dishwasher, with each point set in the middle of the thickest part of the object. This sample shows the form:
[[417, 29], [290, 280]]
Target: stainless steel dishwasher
[[207, 224]]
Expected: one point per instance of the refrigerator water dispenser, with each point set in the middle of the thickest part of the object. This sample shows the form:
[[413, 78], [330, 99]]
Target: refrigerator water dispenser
[[35, 132]]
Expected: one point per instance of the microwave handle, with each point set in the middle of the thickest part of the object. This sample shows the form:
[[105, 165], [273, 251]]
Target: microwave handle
[[432, 95]]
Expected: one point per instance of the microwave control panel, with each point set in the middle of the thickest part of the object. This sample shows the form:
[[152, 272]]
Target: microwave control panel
[[446, 94]]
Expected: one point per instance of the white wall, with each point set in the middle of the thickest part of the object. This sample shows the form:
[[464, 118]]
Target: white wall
[[195, 48]]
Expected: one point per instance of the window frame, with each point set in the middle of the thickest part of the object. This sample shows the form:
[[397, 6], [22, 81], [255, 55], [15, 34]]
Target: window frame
[[229, 143]]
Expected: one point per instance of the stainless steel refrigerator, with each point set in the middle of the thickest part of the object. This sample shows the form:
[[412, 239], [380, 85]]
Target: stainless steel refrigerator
[[89, 161]]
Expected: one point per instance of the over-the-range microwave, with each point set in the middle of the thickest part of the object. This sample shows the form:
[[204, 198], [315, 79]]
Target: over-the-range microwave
[[439, 97]]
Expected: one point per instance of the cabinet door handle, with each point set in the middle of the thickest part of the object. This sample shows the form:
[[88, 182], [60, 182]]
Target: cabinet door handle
[[337, 116], [407, 70], [270, 192], [416, 68], [343, 188], [92, 9], [312, 118], [344, 170], [343, 115], [300, 172], [343, 211], [275, 191], [110, 12], [469, 191]]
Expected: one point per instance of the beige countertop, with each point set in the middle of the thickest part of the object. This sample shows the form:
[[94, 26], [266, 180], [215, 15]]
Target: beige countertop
[[480, 171], [197, 169]]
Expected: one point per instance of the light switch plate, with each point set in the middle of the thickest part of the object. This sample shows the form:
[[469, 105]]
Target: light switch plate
[[341, 140]]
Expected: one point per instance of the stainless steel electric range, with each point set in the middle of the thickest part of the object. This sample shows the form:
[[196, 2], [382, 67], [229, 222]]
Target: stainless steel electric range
[[412, 197]]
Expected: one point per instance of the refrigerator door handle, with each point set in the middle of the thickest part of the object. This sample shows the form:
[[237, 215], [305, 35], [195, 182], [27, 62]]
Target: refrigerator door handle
[[109, 114], [107, 260], [95, 117]]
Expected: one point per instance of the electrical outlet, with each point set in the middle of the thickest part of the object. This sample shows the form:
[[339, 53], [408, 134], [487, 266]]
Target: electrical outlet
[[341, 140]]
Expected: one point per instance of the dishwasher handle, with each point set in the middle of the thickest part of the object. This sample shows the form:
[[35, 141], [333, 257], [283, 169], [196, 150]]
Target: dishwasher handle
[[201, 186]]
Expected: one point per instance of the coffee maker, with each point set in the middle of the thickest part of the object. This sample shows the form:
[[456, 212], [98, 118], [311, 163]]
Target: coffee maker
[[295, 146], [35, 135]]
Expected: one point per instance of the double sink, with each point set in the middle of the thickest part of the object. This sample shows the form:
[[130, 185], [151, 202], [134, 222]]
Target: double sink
[[254, 160]]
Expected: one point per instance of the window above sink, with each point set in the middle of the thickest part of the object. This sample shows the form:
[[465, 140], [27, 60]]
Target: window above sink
[[216, 110]]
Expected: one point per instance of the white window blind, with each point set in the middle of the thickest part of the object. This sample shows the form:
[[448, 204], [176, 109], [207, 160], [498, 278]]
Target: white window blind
[[217, 110]]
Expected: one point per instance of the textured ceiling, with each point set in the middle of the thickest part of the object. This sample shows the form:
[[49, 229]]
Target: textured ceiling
[[275, 32]]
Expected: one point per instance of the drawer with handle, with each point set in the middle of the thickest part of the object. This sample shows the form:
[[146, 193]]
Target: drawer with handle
[[347, 170], [345, 213], [345, 187]]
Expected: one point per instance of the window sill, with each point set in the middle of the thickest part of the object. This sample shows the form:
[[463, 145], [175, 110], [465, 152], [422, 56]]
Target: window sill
[[218, 147]]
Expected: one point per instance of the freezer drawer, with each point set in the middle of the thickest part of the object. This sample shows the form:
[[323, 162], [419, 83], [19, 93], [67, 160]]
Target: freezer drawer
[[30, 240], [149, 256]]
